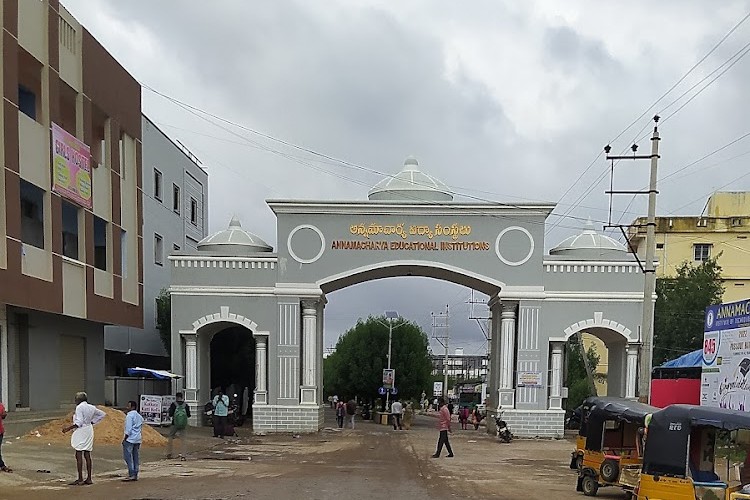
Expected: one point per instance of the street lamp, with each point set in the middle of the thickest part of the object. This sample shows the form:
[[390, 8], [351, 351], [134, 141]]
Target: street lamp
[[390, 316]]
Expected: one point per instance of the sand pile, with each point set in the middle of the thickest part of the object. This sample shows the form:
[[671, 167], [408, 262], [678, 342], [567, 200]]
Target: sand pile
[[109, 431]]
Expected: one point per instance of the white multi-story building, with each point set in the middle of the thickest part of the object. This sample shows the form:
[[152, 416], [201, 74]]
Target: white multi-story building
[[175, 218], [461, 366]]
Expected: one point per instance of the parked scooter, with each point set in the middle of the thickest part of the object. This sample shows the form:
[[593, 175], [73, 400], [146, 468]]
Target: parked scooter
[[502, 431]]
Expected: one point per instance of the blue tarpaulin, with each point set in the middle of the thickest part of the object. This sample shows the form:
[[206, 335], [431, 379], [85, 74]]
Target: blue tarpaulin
[[146, 372], [690, 360]]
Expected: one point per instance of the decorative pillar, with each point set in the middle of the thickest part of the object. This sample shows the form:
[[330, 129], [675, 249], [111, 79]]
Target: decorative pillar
[[493, 368], [555, 392], [631, 371], [308, 390], [261, 375], [507, 354], [191, 376]]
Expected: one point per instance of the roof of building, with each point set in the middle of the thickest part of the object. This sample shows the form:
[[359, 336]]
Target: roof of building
[[589, 243], [411, 184], [234, 241]]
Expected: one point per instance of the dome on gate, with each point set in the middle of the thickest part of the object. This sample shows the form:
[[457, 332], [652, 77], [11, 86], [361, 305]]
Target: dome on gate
[[589, 243], [234, 241], [410, 184]]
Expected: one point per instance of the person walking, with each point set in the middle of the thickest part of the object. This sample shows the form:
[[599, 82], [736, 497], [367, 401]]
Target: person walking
[[351, 411], [82, 439], [444, 426], [131, 443], [463, 416], [477, 417], [340, 412], [179, 412], [221, 410], [397, 411], [3, 414]]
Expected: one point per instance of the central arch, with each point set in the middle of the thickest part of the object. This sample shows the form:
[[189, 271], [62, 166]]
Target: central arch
[[402, 268]]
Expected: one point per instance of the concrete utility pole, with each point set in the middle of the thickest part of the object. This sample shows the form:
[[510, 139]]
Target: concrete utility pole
[[649, 271], [440, 322]]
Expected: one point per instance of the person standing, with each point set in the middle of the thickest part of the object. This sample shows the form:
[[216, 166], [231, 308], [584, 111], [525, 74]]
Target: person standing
[[463, 416], [340, 412], [477, 417], [444, 426], [221, 410], [131, 443], [179, 412], [351, 411], [3, 414], [82, 439], [397, 411]]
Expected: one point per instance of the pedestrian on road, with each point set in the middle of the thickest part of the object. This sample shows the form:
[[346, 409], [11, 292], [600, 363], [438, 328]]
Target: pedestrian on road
[[351, 410], [221, 410], [131, 443], [477, 417], [82, 439], [3, 414], [444, 426], [340, 412], [179, 412], [397, 411], [463, 416], [335, 402]]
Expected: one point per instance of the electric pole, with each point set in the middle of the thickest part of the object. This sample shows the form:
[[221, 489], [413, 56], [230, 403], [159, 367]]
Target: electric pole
[[441, 333], [649, 271]]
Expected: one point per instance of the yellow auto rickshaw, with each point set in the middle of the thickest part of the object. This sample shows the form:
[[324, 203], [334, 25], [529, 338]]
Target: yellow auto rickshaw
[[679, 458], [612, 451]]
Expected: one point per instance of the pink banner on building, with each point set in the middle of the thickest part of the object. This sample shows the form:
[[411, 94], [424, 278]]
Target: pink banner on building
[[71, 168]]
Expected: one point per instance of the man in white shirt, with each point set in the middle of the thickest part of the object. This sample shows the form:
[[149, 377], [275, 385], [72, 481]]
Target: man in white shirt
[[397, 411], [82, 439]]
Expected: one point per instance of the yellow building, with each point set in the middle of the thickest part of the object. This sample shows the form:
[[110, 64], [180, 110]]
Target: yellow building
[[723, 231]]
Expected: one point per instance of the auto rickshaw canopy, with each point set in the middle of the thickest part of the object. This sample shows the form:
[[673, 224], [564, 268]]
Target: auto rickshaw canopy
[[602, 409], [669, 434]]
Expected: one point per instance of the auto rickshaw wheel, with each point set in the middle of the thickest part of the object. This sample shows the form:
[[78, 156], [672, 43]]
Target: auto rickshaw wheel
[[590, 486], [610, 471]]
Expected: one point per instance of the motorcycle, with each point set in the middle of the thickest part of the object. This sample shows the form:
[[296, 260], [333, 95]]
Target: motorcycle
[[502, 430]]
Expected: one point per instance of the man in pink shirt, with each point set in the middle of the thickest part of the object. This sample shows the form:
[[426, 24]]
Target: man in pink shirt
[[444, 426]]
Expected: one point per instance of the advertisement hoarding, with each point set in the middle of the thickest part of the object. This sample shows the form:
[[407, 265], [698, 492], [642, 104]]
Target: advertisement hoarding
[[725, 377], [389, 378], [437, 388], [71, 168]]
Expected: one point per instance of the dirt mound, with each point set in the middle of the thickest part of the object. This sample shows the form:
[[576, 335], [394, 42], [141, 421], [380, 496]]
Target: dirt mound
[[109, 431]]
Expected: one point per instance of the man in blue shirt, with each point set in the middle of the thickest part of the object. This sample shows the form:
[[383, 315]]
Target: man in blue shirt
[[131, 443], [221, 410]]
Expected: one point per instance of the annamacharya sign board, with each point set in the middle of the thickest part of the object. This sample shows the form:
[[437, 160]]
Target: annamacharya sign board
[[725, 379], [71, 168]]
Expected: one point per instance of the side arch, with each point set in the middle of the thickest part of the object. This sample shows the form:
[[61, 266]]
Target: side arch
[[598, 324], [223, 316]]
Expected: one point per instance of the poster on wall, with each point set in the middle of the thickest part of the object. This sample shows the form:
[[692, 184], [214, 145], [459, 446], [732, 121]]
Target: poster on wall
[[529, 379], [725, 377], [71, 168]]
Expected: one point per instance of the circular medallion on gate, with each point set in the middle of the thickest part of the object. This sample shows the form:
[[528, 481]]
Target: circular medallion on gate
[[306, 243], [515, 246]]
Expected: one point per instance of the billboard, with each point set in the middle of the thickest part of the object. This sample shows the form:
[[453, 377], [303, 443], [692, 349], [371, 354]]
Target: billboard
[[389, 378], [71, 168], [725, 377]]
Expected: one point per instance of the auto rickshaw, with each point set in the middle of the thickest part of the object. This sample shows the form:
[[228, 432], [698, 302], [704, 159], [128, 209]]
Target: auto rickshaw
[[678, 462], [613, 447]]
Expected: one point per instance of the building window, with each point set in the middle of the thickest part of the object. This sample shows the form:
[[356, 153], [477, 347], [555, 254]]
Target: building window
[[739, 284], [157, 184], [702, 252], [193, 212], [736, 222], [156, 312], [27, 102], [660, 245], [175, 247], [124, 252], [32, 214], [100, 243], [70, 230], [702, 223], [158, 250], [176, 200]]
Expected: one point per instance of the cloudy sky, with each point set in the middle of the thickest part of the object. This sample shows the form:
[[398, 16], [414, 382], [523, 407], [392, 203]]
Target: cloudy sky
[[502, 100]]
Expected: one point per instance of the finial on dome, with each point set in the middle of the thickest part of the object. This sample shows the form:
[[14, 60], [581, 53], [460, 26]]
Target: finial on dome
[[235, 222], [589, 226]]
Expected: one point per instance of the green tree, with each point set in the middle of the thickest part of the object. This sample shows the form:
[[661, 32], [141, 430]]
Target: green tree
[[680, 307], [356, 367], [577, 381], [164, 319]]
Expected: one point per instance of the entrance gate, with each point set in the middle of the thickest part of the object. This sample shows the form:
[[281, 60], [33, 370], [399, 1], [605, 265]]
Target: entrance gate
[[410, 226]]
